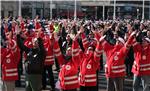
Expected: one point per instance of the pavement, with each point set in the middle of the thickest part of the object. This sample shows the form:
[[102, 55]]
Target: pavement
[[101, 80]]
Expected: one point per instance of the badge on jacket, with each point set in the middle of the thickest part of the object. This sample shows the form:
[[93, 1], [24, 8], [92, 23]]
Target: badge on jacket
[[115, 57], [88, 66], [68, 67], [8, 60], [144, 57]]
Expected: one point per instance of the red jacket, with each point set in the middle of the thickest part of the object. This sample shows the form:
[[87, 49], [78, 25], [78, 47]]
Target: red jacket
[[68, 74], [48, 44], [89, 65], [141, 64], [15, 49], [9, 65], [115, 66], [116, 54]]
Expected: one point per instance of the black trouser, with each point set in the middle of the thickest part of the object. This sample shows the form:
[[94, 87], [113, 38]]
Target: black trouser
[[20, 71], [101, 62], [97, 80], [57, 64], [129, 68], [88, 88], [50, 76]]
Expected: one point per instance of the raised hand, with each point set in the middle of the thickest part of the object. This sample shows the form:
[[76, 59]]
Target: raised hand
[[17, 28], [81, 29], [102, 38], [56, 36]]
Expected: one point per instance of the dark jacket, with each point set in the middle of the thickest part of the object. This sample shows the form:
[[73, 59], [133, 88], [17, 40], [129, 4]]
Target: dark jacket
[[35, 56]]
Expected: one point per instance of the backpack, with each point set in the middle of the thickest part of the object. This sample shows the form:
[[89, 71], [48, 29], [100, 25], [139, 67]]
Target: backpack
[[33, 63]]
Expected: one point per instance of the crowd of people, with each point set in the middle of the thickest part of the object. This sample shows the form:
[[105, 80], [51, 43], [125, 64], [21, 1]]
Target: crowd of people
[[76, 48]]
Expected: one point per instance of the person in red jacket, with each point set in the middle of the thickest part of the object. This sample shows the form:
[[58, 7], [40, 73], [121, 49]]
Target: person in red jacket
[[49, 61], [89, 64], [115, 67], [68, 75], [141, 65], [10, 59]]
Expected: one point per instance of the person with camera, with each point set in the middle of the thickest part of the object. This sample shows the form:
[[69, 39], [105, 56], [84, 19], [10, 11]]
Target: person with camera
[[34, 62]]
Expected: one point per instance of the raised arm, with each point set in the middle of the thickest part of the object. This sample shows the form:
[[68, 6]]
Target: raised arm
[[57, 51], [85, 42], [76, 51], [98, 52], [20, 41]]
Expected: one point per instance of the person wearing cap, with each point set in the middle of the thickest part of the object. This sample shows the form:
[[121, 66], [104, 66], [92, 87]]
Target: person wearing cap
[[10, 59], [89, 64], [141, 65], [34, 62], [115, 67]]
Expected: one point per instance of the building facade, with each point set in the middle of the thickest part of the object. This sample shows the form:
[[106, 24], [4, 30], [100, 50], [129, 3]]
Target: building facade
[[95, 9]]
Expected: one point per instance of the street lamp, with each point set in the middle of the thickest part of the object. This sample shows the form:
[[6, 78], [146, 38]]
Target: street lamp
[[137, 13]]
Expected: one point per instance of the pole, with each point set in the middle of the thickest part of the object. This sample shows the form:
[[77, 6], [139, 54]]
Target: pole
[[96, 12], [103, 12], [114, 15], [143, 10], [51, 9], [149, 9], [68, 11], [19, 12], [0, 21], [75, 9]]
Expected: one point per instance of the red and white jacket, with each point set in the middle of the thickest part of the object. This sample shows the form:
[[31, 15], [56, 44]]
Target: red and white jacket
[[10, 60], [89, 65], [115, 54], [68, 74], [115, 66], [27, 43], [48, 44], [141, 64], [15, 49], [52, 50]]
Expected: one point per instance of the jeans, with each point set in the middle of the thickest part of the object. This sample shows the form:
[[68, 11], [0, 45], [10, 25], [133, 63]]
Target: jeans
[[115, 84], [145, 83]]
